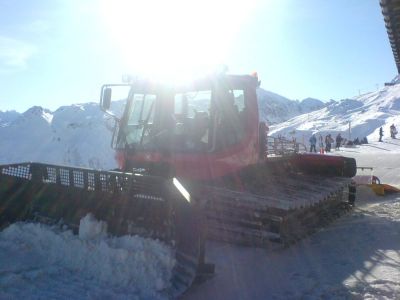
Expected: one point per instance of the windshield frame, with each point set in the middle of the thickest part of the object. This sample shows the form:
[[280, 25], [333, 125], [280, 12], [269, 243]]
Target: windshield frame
[[161, 137]]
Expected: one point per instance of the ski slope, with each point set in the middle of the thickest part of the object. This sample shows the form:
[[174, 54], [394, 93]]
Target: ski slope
[[361, 116], [357, 256]]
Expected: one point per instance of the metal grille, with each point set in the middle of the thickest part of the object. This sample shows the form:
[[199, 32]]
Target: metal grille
[[51, 175], [91, 185], [103, 182], [137, 186], [22, 171], [64, 177], [78, 179]]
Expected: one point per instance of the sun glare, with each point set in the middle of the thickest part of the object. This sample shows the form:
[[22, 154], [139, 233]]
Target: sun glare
[[174, 39]]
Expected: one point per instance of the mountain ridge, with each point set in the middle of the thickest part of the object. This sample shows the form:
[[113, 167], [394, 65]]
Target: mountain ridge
[[357, 117]]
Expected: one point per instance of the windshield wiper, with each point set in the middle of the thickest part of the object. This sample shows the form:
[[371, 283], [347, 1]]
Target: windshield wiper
[[146, 122]]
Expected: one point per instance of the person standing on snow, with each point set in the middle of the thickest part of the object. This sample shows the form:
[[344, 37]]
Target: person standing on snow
[[313, 142], [339, 140], [393, 131], [328, 143], [321, 143], [380, 134]]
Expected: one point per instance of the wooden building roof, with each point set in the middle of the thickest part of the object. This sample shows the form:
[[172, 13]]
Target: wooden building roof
[[391, 15]]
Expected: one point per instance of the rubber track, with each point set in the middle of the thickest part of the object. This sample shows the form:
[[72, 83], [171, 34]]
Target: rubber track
[[291, 208]]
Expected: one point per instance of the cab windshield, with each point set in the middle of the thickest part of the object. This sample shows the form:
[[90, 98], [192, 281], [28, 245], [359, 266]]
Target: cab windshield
[[190, 121]]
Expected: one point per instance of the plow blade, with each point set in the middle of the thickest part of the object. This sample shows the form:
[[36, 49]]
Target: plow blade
[[131, 204]]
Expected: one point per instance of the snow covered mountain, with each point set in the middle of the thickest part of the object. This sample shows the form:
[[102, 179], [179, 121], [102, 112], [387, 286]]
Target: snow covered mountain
[[361, 116], [7, 117], [72, 135], [275, 108]]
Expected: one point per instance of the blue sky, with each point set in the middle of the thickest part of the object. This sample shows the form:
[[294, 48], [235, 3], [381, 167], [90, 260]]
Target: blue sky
[[55, 52]]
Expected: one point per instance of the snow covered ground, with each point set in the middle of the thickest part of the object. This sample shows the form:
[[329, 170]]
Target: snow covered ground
[[356, 257], [42, 262]]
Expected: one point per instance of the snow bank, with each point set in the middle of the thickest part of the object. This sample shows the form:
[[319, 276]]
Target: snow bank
[[32, 255], [90, 229]]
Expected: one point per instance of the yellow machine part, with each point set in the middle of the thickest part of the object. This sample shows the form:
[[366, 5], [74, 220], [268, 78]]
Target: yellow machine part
[[381, 189]]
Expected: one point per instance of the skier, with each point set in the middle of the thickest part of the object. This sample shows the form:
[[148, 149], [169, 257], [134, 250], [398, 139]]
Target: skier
[[313, 142], [338, 141], [380, 134]]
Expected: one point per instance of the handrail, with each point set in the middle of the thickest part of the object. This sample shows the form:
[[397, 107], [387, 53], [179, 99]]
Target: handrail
[[280, 146]]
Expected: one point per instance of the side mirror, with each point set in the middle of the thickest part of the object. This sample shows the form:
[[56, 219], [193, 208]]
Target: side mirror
[[115, 93], [106, 99]]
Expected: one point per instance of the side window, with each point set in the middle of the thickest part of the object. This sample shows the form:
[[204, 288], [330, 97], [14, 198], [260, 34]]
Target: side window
[[231, 123], [192, 120], [239, 99]]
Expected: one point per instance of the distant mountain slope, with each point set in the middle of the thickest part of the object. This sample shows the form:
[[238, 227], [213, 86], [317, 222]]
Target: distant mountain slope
[[363, 115], [7, 117], [72, 135], [275, 108]]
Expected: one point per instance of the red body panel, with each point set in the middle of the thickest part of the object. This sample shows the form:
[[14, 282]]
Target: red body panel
[[201, 166]]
